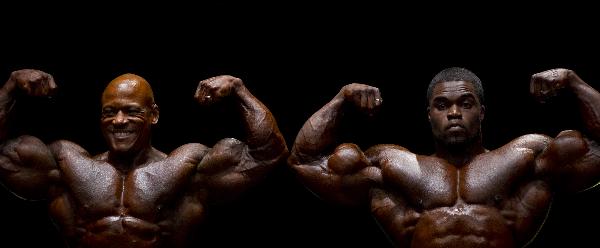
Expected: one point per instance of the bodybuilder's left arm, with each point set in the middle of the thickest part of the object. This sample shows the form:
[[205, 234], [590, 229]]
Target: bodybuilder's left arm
[[232, 166], [571, 161]]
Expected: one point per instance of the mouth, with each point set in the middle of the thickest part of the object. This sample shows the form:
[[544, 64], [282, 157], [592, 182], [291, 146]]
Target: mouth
[[121, 134], [455, 127]]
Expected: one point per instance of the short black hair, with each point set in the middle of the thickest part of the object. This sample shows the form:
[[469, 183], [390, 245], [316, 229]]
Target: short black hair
[[456, 74]]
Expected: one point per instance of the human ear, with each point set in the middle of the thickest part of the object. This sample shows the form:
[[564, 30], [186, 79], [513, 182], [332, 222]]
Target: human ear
[[155, 113], [428, 115], [482, 113]]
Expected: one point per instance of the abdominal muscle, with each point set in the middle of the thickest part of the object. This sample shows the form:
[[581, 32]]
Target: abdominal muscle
[[120, 231], [462, 226]]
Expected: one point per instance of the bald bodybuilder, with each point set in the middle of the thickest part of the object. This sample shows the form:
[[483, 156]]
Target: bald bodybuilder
[[463, 195], [134, 195]]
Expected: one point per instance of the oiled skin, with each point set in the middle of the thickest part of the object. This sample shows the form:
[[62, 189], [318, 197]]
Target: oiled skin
[[463, 196], [134, 195]]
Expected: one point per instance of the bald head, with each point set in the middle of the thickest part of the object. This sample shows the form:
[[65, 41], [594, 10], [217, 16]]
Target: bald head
[[128, 85], [128, 112]]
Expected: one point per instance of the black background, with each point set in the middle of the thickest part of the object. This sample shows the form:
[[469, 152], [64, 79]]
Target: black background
[[295, 60]]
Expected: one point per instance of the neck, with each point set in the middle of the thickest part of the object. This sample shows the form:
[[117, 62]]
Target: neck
[[126, 161], [459, 154]]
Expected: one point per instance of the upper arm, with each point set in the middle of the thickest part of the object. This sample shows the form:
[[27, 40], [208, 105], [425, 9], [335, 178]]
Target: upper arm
[[228, 169], [571, 162], [396, 163], [344, 177], [27, 167]]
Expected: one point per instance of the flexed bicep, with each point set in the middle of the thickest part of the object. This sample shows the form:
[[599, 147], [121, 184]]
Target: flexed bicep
[[341, 174], [345, 177], [232, 165], [571, 162], [27, 167], [227, 170]]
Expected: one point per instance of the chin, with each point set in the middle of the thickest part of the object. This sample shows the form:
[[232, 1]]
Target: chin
[[459, 141], [120, 150], [456, 141], [121, 146]]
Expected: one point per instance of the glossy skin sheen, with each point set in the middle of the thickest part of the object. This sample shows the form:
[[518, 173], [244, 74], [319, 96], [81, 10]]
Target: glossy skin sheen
[[463, 195], [134, 195]]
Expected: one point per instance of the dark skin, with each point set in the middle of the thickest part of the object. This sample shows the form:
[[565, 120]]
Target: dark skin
[[134, 195], [463, 195]]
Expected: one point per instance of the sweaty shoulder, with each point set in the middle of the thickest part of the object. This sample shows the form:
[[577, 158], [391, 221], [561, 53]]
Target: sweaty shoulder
[[383, 150], [386, 154], [195, 151], [62, 148], [536, 142]]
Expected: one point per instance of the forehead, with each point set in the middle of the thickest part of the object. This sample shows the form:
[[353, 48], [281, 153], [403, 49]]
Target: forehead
[[125, 93], [453, 88]]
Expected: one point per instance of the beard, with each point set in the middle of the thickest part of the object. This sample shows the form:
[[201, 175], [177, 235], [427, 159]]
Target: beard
[[458, 142]]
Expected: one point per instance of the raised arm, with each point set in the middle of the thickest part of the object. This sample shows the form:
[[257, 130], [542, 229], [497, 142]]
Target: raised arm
[[232, 166], [27, 166], [344, 174], [572, 160]]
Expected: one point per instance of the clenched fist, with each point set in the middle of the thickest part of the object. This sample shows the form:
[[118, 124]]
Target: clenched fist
[[365, 97], [547, 84], [34, 82], [216, 88]]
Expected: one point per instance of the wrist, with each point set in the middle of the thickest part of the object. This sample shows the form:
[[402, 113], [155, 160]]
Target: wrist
[[9, 87], [239, 89], [573, 80]]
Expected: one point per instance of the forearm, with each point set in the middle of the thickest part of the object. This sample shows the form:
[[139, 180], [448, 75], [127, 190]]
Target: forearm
[[264, 140], [319, 133], [589, 104]]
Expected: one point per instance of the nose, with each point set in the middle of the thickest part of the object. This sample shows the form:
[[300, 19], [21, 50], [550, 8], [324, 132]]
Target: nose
[[454, 112], [120, 118]]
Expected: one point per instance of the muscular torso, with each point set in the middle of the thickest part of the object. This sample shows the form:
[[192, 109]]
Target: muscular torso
[[97, 205], [495, 200]]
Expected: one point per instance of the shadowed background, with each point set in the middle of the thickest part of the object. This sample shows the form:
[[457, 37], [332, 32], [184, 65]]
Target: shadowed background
[[294, 69]]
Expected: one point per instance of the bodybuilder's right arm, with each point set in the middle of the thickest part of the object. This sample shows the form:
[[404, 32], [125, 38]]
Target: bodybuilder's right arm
[[339, 174], [26, 164]]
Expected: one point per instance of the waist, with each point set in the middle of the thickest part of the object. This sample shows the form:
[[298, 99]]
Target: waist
[[462, 226], [123, 225]]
